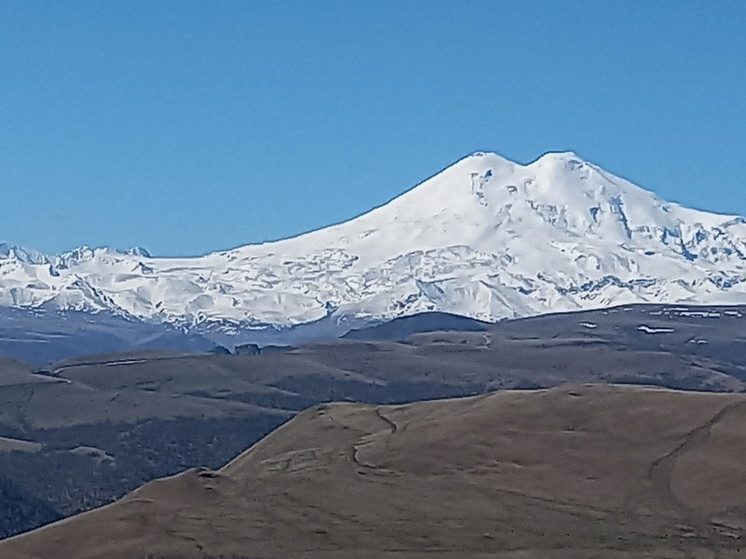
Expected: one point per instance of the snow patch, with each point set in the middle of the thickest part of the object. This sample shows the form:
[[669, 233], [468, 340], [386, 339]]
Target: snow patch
[[651, 330]]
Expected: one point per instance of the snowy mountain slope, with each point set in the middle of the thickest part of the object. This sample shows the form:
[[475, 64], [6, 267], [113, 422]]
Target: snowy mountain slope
[[486, 238]]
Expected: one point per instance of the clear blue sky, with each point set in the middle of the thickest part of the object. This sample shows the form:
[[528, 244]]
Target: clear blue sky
[[187, 127]]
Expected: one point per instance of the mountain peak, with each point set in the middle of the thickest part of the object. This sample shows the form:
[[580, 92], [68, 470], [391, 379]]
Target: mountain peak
[[559, 158], [486, 158], [28, 256], [561, 155], [549, 156], [486, 238], [139, 251]]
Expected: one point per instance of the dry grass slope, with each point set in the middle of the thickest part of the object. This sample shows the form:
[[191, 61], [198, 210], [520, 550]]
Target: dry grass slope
[[573, 472]]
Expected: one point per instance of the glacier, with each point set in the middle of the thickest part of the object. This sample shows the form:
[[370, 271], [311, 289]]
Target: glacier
[[486, 238]]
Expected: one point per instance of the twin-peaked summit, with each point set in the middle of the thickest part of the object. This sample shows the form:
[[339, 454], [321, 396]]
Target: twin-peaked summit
[[484, 198], [485, 237]]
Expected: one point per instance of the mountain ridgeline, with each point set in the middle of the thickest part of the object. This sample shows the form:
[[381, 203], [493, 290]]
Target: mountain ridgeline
[[486, 238], [84, 431]]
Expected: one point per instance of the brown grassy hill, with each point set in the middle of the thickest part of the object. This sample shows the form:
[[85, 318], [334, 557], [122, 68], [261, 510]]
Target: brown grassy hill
[[571, 472], [85, 431]]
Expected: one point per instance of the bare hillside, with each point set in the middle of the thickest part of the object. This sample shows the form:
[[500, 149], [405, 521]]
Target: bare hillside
[[584, 471]]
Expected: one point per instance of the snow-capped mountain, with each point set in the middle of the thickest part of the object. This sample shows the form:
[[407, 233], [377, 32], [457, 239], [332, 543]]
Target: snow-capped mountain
[[486, 238]]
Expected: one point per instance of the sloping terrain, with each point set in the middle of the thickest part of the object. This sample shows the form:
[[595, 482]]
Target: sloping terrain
[[85, 431], [42, 336], [486, 238], [574, 472]]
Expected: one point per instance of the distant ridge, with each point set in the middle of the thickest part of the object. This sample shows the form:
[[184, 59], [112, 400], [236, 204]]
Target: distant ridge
[[486, 238], [405, 326]]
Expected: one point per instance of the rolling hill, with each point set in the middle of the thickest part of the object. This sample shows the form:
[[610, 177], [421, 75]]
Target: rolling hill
[[84, 431], [574, 472]]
